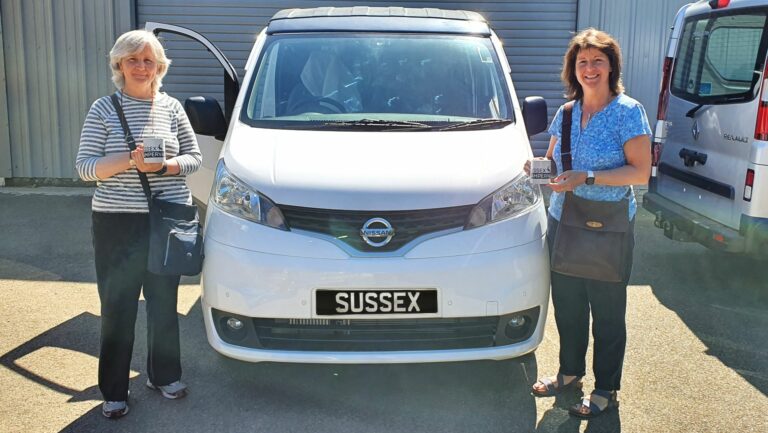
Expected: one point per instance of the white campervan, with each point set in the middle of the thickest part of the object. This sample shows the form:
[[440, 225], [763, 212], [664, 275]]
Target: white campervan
[[368, 202], [711, 138]]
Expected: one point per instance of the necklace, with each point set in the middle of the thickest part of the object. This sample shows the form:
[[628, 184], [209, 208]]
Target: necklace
[[591, 113]]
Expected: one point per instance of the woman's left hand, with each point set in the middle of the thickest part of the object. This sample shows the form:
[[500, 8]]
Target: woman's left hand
[[138, 157], [568, 181]]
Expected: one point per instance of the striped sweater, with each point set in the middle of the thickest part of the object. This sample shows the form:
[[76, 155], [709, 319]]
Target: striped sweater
[[102, 135]]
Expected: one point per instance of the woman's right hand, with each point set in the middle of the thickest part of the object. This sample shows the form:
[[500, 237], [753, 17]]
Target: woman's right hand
[[527, 167]]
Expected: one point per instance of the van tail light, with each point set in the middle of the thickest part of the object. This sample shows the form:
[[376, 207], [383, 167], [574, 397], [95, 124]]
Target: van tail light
[[666, 72], [748, 184], [718, 4], [661, 115], [761, 125]]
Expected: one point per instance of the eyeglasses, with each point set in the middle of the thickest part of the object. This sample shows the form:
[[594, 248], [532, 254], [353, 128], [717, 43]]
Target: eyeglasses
[[133, 62]]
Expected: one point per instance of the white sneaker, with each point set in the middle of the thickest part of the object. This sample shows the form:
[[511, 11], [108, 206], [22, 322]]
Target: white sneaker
[[171, 391], [114, 409]]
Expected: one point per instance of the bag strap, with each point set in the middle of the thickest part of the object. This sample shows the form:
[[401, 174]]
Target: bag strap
[[131, 145], [565, 137]]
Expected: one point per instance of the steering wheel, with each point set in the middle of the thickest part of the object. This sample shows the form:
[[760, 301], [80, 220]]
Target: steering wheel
[[321, 101]]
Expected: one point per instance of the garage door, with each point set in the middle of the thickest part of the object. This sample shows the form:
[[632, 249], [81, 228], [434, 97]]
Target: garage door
[[535, 35]]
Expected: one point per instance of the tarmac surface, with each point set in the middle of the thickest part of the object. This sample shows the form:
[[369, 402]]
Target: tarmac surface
[[696, 361]]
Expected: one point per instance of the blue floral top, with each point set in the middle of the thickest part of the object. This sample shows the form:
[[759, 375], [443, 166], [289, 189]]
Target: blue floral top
[[600, 146]]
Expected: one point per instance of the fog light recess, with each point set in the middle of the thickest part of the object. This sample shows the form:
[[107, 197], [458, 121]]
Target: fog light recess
[[234, 324], [517, 326], [232, 328]]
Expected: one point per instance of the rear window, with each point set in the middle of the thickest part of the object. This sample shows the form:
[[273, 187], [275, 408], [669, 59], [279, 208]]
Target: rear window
[[721, 57]]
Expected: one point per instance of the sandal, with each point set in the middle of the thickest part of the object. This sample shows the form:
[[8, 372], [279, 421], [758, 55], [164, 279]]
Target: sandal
[[171, 391], [593, 410], [554, 388]]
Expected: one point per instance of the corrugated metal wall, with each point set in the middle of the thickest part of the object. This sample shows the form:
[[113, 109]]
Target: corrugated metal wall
[[5, 134], [535, 35], [56, 55], [642, 29]]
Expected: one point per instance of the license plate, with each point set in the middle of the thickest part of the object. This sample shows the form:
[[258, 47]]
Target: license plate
[[405, 301]]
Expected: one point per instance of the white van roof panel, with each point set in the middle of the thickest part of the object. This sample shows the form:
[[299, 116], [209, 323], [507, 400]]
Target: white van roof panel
[[379, 19]]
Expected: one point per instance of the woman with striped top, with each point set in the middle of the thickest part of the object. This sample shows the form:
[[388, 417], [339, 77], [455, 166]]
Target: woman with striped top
[[121, 219]]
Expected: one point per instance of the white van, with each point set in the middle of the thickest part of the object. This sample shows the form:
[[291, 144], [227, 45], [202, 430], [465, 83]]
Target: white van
[[369, 203], [711, 138]]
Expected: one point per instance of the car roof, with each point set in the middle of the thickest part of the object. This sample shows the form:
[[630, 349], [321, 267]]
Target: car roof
[[378, 19]]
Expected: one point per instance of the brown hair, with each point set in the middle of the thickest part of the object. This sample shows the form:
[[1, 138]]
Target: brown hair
[[591, 38]]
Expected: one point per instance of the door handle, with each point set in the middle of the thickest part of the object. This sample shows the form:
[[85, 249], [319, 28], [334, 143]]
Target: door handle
[[691, 157]]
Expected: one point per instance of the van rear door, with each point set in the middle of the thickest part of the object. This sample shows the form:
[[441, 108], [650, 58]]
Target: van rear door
[[711, 116]]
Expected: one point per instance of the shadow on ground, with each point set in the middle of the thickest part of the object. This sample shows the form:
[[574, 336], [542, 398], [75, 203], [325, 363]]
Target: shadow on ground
[[228, 395], [722, 298]]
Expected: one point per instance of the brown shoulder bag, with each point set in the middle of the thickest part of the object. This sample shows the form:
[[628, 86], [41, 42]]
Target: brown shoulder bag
[[593, 238]]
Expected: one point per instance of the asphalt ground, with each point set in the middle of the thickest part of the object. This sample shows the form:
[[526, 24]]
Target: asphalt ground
[[697, 355]]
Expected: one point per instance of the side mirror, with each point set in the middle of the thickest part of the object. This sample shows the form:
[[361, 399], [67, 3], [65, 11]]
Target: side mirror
[[206, 116], [535, 115]]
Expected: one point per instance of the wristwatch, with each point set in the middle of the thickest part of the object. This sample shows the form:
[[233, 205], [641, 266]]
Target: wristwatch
[[131, 162], [162, 170], [590, 178]]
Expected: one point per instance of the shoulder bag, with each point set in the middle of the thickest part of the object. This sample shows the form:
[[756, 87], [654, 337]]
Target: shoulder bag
[[175, 232], [593, 237]]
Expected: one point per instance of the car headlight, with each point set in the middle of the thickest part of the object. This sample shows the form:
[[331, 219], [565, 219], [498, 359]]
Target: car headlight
[[514, 198], [233, 196]]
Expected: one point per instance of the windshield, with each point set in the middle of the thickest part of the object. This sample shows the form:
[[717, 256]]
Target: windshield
[[316, 81]]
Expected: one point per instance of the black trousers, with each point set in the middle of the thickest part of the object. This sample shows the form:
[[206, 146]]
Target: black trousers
[[574, 299], [120, 242]]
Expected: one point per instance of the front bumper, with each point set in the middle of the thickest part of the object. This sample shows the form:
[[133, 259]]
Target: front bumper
[[485, 286]]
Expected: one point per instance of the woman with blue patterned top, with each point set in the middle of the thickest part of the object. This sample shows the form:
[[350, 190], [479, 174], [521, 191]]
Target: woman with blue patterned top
[[610, 150]]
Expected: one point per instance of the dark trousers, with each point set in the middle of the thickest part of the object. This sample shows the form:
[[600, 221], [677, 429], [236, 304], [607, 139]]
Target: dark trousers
[[120, 242], [574, 299]]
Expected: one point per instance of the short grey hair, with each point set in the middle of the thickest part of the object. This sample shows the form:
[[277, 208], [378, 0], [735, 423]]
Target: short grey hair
[[130, 43]]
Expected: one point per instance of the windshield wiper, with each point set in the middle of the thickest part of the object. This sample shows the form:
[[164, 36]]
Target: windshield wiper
[[377, 124], [478, 123], [693, 111]]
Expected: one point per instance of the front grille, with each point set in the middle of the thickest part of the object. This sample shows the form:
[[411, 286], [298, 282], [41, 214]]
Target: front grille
[[377, 335], [345, 225]]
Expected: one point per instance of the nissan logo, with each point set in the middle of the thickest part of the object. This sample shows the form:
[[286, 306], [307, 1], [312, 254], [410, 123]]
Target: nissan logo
[[695, 130], [377, 232]]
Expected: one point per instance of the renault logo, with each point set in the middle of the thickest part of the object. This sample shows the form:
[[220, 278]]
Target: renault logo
[[695, 130], [377, 232]]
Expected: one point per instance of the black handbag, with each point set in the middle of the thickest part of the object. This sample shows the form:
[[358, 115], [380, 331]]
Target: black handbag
[[175, 232], [594, 239]]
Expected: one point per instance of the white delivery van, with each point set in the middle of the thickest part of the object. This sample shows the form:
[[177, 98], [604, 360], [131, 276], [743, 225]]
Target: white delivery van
[[368, 203], [711, 138]]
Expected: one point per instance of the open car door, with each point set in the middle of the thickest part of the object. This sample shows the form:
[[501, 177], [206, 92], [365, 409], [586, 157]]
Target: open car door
[[205, 114]]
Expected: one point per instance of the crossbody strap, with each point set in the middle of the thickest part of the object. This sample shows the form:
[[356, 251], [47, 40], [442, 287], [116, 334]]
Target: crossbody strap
[[565, 137], [131, 145]]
